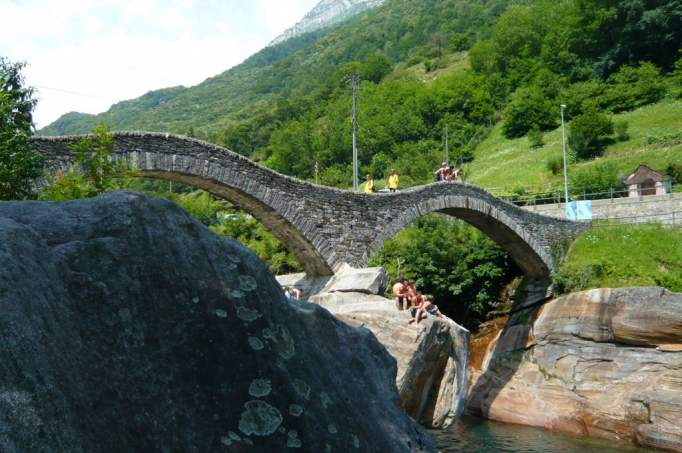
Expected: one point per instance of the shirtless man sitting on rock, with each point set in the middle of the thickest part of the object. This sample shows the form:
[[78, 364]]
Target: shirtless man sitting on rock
[[416, 309], [401, 294]]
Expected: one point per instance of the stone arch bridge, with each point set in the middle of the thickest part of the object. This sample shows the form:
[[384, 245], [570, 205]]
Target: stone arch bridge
[[325, 227]]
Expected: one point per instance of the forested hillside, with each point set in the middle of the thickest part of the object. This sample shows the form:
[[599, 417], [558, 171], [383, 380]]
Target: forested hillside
[[280, 79], [466, 63]]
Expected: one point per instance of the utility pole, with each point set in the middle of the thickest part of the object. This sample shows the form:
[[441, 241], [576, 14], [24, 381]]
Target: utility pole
[[317, 173], [447, 144], [563, 142], [354, 114]]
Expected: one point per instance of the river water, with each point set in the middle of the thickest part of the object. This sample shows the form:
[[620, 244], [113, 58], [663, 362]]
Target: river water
[[476, 435]]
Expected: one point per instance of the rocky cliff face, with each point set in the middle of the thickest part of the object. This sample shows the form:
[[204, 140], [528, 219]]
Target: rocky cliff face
[[325, 14], [603, 363], [127, 326], [432, 356]]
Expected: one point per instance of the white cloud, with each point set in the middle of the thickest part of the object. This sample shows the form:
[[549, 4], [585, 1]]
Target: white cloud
[[84, 55]]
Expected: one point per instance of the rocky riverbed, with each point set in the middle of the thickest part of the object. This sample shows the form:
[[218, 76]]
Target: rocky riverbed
[[128, 326]]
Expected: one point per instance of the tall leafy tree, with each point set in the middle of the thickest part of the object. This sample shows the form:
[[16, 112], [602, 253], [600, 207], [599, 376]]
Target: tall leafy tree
[[20, 164]]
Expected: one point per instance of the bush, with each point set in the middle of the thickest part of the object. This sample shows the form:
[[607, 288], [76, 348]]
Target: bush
[[674, 171], [632, 87], [555, 165], [582, 96], [529, 108], [621, 129], [535, 138], [588, 134], [595, 179]]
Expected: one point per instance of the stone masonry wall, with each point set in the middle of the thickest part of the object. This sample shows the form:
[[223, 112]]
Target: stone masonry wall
[[325, 227], [666, 209]]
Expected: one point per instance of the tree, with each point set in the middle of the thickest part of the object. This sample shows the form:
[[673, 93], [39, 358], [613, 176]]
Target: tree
[[588, 132], [94, 172], [528, 108], [20, 164]]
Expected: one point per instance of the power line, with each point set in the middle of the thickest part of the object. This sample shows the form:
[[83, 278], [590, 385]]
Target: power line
[[75, 93]]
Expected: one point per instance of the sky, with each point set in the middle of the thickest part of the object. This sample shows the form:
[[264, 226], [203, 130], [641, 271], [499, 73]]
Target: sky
[[85, 55]]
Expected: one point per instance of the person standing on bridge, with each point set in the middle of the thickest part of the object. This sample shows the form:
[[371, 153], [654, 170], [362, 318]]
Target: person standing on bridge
[[442, 172], [393, 181], [369, 184]]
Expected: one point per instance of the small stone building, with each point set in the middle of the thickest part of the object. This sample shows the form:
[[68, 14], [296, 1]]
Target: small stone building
[[646, 181]]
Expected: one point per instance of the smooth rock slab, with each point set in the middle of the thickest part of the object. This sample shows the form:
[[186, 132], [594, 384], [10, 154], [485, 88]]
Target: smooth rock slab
[[128, 326], [371, 280], [601, 363]]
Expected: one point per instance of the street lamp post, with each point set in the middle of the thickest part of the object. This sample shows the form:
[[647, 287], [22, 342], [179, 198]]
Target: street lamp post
[[563, 142]]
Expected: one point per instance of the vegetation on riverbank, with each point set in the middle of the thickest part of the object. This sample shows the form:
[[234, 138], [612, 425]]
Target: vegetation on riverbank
[[618, 256], [451, 260]]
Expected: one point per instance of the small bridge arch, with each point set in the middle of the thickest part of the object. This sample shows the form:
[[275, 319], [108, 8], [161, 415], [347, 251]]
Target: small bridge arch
[[325, 227]]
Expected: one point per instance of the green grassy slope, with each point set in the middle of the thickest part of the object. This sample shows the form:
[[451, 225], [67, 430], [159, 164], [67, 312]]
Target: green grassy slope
[[622, 256], [503, 164]]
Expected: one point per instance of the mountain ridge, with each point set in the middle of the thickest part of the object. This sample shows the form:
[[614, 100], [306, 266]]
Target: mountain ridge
[[325, 14]]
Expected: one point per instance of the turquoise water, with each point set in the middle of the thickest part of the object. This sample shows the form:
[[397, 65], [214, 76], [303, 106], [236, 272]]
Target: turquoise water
[[472, 434]]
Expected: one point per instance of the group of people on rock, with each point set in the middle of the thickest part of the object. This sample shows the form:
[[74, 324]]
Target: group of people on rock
[[447, 173], [408, 297]]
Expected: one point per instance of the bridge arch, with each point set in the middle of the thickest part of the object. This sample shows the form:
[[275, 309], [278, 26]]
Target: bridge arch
[[505, 224], [218, 171], [325, 227]]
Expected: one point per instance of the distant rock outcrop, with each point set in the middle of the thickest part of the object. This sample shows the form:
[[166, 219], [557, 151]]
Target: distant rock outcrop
[[325, 14], [128, 326], [605, 363]]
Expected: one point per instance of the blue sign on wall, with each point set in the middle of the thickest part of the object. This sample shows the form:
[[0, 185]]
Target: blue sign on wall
[[579, 210]]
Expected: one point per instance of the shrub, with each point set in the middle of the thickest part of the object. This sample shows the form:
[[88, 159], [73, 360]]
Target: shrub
[[529, 108], [555, 164], [595, 178], [582, 96], [634, 86], [675, 173], [621, 129], [588, 134], [535, 138]]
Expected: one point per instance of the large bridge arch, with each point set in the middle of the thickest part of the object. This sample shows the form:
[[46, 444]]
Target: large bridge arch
[[527, 238], [325, 227]]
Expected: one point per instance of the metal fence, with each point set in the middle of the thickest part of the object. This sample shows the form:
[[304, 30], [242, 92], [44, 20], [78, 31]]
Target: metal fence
[[543, 198]]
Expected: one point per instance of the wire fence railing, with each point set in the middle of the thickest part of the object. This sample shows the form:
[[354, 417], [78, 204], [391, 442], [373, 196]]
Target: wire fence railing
[[544, 198]]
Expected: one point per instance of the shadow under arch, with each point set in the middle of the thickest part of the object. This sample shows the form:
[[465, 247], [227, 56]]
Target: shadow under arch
[[304, 252]]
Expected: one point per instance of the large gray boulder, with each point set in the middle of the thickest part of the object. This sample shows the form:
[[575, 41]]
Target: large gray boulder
[[128, 326]]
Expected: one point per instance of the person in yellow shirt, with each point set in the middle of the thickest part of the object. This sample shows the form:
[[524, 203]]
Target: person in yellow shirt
[[393, 181], [369, 184]]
